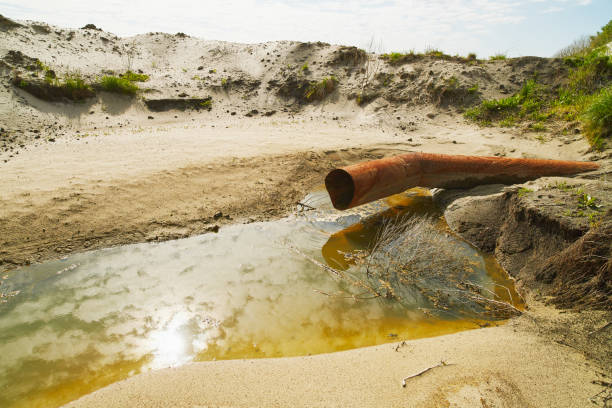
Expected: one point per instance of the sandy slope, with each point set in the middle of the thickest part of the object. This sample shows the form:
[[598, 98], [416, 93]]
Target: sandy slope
[[111, 176]]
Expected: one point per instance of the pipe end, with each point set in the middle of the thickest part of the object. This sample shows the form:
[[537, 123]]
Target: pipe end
[[341, 188]]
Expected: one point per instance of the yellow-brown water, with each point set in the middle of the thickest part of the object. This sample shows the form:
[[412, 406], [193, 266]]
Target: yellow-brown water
[[81, 323]]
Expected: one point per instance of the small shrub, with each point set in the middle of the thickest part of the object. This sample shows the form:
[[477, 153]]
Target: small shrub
[[206, 104], [473, 89], [135, 77], [471, 56], [304, 68], [119, 85]]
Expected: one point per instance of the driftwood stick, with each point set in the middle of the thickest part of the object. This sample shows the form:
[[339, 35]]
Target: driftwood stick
[[441, 364]]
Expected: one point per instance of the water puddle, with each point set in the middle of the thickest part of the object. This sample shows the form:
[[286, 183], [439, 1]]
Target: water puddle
[[72, 326]]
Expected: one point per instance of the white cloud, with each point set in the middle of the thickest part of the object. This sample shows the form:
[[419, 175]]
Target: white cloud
[[402, 24]]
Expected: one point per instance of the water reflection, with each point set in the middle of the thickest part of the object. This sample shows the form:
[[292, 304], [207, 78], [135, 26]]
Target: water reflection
[[95, 318]]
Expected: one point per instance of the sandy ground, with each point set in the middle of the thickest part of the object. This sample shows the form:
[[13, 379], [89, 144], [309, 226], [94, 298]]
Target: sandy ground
[[170, 180], [112, 175], [506, 366]]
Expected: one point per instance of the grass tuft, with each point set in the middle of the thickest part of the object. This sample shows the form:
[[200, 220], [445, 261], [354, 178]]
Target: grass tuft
[[498, 57], [598, 118], [135, 77], [110, 83]]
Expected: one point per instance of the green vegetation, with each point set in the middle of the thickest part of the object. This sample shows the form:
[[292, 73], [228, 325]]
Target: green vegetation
[[586, 206], [498, 57], [473, 89], [526, 104], [523, 191], [586, 201], [364, 98], [319, 90], [433, 52], [397, 58], [72, 86], [110, 83], [584, 45], [598, 118], [135, 77], [304, 68], [563, 186], [206, 104], [74, 83], [586, 97], [224, 82]]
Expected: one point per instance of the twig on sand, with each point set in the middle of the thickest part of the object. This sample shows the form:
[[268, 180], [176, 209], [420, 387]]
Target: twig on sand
[[604, 396], [441, 364], [305, 207]]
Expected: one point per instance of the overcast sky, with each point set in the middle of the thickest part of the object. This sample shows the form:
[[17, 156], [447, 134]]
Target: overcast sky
[[513, 27]]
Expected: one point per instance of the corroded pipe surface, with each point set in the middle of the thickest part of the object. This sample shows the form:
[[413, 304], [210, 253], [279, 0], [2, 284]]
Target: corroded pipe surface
[[365, 182]]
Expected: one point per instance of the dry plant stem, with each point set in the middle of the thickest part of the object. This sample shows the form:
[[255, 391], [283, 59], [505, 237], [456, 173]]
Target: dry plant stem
[[441, 364]]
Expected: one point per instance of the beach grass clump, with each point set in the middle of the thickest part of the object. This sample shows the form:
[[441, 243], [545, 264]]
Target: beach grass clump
[[75, 83], [115, 84], [498, 57], [317, 91], [135, 76], [598, 118], [72, 87], [397, 58]]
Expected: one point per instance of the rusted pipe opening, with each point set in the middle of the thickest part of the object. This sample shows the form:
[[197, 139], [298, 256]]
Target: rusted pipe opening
[[340, 187]]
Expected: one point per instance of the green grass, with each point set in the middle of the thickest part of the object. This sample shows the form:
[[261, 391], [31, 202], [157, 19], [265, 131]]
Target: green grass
[[523, 191], [319, 90], [397, 57], [110, 83], [75, 83], [598, 118], [586, 97], [304, 68], [206, 104], [135, 77], [498, 57]]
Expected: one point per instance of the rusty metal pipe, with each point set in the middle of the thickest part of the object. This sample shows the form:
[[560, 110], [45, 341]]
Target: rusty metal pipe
[[365, 182]]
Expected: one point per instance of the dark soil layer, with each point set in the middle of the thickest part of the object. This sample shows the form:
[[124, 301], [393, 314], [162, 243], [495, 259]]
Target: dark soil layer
[[163, 105]]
